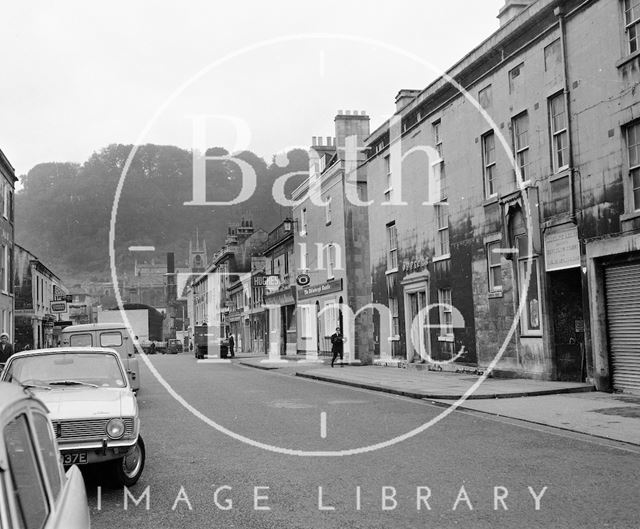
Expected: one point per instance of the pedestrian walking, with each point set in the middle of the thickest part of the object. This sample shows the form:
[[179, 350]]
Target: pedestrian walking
[[152, 348], [232, 344], [6, 349], [337, 341]]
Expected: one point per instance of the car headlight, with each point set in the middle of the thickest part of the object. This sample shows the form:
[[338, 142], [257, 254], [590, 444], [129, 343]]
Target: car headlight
[[115, 428]]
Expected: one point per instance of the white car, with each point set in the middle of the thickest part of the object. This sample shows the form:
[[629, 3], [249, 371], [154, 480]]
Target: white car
[[91, 404], [34, 489]]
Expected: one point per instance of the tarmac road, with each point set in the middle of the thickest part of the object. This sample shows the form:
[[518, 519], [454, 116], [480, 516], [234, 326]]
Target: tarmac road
[[463, 471]]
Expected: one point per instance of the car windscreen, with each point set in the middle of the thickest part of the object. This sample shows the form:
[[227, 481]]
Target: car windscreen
[[67, 369]]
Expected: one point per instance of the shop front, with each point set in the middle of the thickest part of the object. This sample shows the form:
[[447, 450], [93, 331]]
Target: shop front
[[281, 321], [613, 268], [319, 314]]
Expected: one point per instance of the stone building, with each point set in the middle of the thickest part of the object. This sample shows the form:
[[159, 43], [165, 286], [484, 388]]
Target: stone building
[[209, 291], [280, 299], [505, 220], [7, 188], [42, 303], [332, 245]]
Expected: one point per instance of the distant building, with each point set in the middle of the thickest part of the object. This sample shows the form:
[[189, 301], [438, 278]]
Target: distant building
[[103, 292], [280, 300], [7, 188], [209, 291], [197, 263], [42, 309], [147, 285], [83, 307]]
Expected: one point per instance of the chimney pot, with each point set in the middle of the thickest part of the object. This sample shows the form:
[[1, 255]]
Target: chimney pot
[[347, 112]]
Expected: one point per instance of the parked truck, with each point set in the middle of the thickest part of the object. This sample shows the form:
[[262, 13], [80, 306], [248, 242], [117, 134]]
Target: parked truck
[[206, 341]]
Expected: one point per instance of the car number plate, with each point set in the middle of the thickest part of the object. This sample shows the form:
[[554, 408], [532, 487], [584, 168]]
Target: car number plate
[[79, 458]]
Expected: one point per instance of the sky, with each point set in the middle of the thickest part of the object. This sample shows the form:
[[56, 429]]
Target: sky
[[264, 76]]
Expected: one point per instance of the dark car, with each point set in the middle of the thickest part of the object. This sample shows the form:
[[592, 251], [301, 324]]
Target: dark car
[[174, 346]]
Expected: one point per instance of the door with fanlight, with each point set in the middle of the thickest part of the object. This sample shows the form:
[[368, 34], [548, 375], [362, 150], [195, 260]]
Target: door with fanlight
[[416, 321]]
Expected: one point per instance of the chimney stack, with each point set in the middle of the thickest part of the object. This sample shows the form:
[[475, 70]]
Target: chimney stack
[[171, 278], [350, 123], [511, 9], [404, 97]]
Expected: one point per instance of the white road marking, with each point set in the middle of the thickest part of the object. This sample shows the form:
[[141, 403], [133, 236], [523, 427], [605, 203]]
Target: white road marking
[[323, 424], [214, 361]]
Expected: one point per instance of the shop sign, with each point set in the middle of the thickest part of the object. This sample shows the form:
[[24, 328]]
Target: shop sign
[[286, 297], [320, 290], [58, 306], [415, 264], [270, 282], [561, 250]]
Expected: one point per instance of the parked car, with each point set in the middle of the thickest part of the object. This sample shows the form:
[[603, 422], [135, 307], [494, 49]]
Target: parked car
[[174, 346], [92, 405], [34, 489]]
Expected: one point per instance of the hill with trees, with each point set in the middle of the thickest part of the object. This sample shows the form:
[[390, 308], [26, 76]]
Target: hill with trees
[[63, 210]]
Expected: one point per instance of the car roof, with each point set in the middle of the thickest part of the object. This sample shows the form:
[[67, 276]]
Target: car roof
[[61, 350], [94, 327]]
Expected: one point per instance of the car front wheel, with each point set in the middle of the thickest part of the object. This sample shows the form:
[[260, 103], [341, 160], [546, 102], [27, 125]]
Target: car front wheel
[[128, 469]]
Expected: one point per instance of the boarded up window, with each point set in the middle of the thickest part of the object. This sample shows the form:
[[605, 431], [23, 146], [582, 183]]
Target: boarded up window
[[485, 97], [553, 56], [516, 79]]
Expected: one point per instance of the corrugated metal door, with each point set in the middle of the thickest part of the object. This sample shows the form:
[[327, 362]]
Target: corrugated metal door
[[623, 321]]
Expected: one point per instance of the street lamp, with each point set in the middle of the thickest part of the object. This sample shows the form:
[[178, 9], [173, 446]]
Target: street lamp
[[288, 224]]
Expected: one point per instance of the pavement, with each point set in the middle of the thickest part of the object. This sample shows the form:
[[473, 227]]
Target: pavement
[[575, 407]]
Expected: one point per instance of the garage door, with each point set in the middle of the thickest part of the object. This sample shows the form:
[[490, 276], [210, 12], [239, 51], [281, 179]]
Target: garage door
[[623, 320]]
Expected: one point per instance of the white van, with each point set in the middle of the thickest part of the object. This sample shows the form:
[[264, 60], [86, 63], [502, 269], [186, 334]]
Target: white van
[[111, 335]]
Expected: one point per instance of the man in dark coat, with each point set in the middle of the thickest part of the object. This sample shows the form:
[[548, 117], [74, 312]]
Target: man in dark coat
[[337, 341], [232, 344], [6, 349]]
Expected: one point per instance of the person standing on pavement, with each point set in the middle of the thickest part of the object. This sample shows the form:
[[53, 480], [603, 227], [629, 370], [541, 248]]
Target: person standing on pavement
[[232, 344], [337, 341], [6, 349]]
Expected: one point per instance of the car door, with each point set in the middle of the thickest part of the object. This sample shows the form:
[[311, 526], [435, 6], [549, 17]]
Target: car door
[[36, 491], [29, 501]]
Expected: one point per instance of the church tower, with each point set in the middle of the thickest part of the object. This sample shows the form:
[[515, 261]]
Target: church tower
[[197, 255]]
